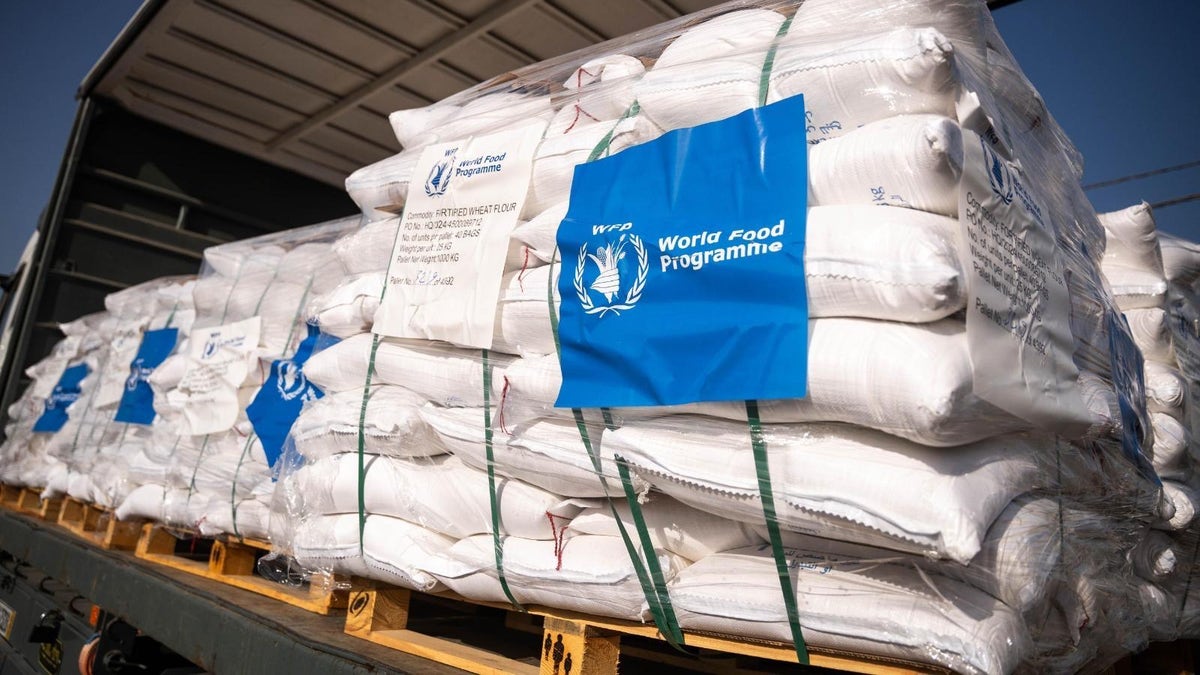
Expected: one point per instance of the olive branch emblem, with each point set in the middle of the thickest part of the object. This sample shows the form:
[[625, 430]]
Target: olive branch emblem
[[608, 283]]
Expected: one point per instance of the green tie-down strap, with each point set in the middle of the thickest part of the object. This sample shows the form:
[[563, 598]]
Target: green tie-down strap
[[654, 585], [497, 542], [764, 80], [767, 495], [233, 503], [362, 442], [657, 597]]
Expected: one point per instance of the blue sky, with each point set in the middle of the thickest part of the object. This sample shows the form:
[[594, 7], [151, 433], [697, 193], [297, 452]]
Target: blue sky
[[1118, 75]]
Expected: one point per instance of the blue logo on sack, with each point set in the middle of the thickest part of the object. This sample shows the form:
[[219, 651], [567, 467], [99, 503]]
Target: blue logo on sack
[[137, 403], [440, 174], [65, 393], [683, 267], [999, 174], [282, 397], [616, 277]]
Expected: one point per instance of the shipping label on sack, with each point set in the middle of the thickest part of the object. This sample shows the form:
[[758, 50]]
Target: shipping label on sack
[[137, 402], [683, 267], [65, 393], [1019, 307], [443, 282], [282, 396], [122, 348], [218, 361]]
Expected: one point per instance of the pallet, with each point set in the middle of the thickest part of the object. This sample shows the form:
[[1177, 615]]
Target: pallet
[[98, 525], [30, 502], [233, 562], [568, 642], [10, 495]]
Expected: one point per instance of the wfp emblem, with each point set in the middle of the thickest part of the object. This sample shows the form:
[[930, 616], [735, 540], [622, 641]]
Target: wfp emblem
[[439, 175], [999, 174], [138, 372], [613, 274], [292, 383], [210, 347]]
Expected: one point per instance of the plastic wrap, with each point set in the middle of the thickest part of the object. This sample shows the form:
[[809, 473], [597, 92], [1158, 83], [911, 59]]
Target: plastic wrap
[[925, 516]]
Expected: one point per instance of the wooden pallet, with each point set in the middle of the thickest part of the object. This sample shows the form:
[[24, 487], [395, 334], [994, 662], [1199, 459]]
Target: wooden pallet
[[30, 502], [233, 562], [98, 525], [10, 495], [570, 643]]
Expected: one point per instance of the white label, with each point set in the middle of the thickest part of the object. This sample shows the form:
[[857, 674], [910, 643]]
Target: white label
[[218, 361], [122, 351], [1018, 313], [443, 282]]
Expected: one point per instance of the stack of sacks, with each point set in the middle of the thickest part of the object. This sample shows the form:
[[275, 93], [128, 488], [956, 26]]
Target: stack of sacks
[[939, 473], [206, 467], [94, 447], [1171, 345], [23, 457]]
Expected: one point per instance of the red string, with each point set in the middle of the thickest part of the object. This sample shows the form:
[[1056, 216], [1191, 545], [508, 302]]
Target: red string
[[558, 534], [503, 396], [524, 267]]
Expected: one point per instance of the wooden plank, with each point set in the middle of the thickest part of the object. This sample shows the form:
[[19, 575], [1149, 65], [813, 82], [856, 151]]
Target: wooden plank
[[380, 615], [10, 496], [31, 502], [578, 647], [233, 563], [570, 643]]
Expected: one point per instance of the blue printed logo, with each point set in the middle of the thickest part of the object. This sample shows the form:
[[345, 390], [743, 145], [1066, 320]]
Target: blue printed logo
[[291, 382], [65, 393], [137, 403], [701, 231], [440, 174], [138, 372], [617, 276], [999, 174]]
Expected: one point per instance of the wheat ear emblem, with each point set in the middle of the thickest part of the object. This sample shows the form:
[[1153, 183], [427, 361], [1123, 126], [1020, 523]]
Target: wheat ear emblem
[[608, 282]]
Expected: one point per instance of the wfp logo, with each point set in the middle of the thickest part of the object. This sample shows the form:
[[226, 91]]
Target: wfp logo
[[612, 273], [210, 347], [138, 372], [999, 174], [292, 383], [438, 180]]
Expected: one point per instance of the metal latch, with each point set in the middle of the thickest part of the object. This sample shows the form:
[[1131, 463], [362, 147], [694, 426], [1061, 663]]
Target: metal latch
[[47, 627]]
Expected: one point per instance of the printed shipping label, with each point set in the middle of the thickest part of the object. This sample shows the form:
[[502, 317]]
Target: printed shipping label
[[65, 393], [1018, 312], [443, 282], [218, 361], [683, 267], [137, 401]]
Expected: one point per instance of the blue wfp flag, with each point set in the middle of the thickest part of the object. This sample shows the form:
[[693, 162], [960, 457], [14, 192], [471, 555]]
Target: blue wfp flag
[[66, 392], [282, 396], [137, 403], [683, 267]]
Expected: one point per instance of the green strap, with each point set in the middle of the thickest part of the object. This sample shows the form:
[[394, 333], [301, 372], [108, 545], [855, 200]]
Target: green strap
[[362, 443], [233, 490], [602, 146], [199, 458], [488, 444], [767, 495], [653, 584], [296, 318], [764, 79]]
